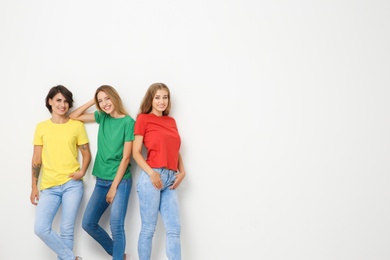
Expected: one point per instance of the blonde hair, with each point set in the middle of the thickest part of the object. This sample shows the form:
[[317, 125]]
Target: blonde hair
[[114, 97], [147, 101]]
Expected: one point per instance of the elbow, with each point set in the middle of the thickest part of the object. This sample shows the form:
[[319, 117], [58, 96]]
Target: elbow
[[126, 159]]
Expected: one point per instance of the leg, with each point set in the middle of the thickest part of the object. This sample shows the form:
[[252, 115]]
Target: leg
[[71, 199], [117, 218], [48, 205], [170, 213], [149, 202], [97, 205]]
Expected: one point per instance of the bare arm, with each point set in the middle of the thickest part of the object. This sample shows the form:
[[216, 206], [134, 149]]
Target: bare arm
[[86, 154], [79, 113], [137, 155], [35, 171], [121, 171]]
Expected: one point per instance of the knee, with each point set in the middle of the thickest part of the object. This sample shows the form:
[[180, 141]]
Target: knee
[[41, 230], [173, 231], [147, 230], [87, 225], [117, 227]]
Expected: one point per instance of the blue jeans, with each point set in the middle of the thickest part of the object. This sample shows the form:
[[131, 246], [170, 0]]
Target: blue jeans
[[97, 205], [152, 201], [70, 195]]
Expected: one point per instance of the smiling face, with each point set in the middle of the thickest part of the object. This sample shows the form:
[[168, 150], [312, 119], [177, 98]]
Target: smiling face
[[105, 103], [160, 102], [59, 105]]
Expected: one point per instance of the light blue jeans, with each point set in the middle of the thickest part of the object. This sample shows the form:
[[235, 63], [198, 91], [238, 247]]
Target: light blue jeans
[[152, 201], [69, 195], [97, 205]]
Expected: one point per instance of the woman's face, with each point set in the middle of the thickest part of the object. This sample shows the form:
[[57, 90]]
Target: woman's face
[[105, 103], [59, 105], [160, 102]]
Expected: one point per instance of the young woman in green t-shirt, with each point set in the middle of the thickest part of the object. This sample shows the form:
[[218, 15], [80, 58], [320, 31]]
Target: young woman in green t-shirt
[[111, 168]]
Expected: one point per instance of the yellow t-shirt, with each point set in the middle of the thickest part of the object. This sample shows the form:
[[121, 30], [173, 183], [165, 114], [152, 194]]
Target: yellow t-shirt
[[59, 151]]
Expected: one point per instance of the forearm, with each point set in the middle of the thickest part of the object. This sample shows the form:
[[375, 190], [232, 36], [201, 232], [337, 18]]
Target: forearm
[[35, 171], [120, 172], [141, 162], [180, 164], [86, 153], [81, 110]]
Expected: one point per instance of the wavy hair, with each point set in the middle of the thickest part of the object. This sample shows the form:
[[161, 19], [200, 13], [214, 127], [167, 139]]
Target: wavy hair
[[114, 97], [147, 102]]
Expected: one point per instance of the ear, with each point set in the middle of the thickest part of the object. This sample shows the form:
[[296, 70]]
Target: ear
[[50, 101]]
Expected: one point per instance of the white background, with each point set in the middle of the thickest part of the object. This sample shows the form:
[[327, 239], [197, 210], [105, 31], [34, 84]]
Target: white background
[[282, 106]]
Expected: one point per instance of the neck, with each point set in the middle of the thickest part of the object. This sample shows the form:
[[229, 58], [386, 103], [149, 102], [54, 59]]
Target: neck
[[59, 119], [116, 115]]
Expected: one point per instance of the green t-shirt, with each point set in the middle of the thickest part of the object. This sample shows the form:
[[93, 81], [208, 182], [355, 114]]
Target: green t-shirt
[[112, 135]]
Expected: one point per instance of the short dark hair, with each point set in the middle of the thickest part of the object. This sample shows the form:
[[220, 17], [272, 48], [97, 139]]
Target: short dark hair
[[59, 89]]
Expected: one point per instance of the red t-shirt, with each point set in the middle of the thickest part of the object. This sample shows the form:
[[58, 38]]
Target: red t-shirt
[[161, 139]]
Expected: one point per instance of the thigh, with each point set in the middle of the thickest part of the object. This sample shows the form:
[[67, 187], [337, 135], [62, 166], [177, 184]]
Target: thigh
[[121, 200], [97, 203], [149, 199], [48, 205], [71, 199], [169, 208]]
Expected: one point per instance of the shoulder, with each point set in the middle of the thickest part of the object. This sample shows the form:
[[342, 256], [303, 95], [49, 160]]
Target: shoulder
[[75, 122], [43, 124], [169, 119], [129, 119], [99, 115], [143, 118]]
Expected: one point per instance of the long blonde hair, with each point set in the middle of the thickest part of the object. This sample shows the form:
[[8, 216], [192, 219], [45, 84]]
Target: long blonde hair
[[114, 97], [146, 104]]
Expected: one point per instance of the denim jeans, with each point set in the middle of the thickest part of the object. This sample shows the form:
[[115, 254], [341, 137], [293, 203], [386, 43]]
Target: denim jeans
[[69, 195], [97, 205], [152, 201]]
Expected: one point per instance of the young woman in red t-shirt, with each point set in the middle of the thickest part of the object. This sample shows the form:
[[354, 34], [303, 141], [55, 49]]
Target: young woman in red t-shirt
[[162, 171]]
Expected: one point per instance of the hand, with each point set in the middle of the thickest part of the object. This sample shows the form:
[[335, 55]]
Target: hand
[[77, 175], [110, 195], [179, 177], [34, 197], [156, 180]]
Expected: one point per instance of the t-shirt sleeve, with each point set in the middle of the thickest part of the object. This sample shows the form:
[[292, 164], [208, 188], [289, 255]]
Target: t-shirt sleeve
[[83, 137], [139, 128], [97, 115], [129, 130], [38, 135]]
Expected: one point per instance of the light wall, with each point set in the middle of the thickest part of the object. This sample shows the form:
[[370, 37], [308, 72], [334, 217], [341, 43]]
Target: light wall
[[283, 108]]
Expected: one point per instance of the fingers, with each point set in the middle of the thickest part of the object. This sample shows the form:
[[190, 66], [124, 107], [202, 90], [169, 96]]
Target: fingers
[[175, 185], [157, 185], [109, 199], [75, 176], [34, 200]]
